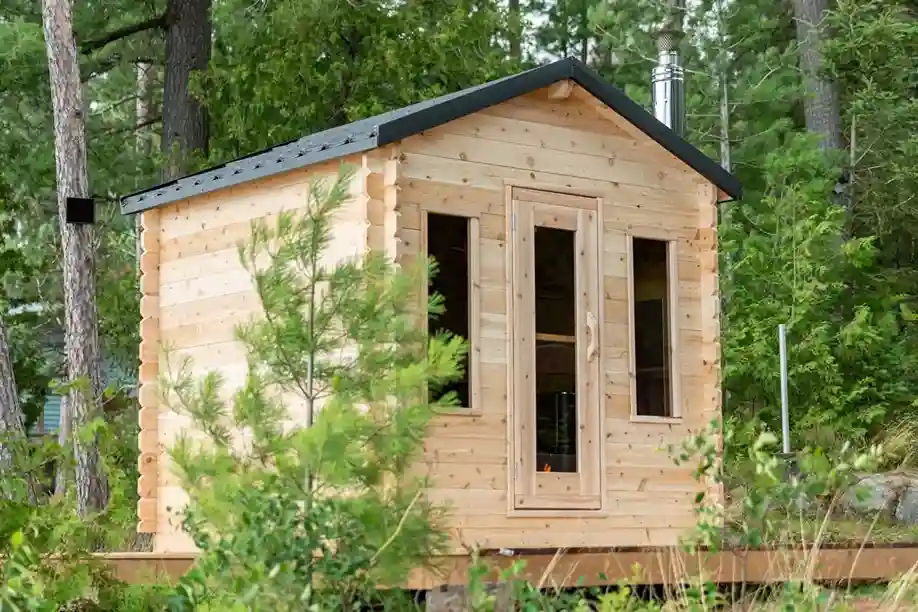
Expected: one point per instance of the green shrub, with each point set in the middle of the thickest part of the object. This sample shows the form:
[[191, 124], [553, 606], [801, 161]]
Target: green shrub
[[316, 513], [47, 548]]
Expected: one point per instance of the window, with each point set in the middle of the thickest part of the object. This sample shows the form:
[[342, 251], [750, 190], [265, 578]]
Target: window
[[653, 321], [448, 240], [555, 350], [556, 407]]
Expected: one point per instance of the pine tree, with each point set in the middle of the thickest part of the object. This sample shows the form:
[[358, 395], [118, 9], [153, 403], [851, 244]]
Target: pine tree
[[12, 427], [316, 452], [84, 359]]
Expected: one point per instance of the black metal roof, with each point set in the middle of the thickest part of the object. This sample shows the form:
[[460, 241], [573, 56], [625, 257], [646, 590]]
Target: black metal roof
[[392, 126]]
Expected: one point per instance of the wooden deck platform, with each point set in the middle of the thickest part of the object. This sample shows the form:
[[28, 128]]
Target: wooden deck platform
[[598, 567]]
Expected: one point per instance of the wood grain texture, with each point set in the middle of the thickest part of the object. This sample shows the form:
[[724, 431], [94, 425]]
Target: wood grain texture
[[553, 152], [659, 565], [560, 152], [196, 295], [148, 460]]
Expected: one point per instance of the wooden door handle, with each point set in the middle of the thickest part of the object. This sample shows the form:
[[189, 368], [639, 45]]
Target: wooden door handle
[[591, 329]]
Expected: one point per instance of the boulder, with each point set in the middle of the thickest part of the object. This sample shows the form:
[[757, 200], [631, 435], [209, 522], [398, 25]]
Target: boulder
[[907, 509], [876, 493], [454, 598]]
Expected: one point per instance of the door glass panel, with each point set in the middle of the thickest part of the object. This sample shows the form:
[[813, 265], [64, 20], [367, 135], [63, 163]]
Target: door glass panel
[[556, 350]]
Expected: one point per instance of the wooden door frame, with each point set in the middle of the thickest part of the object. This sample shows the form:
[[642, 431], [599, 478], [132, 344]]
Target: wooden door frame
[[566, 211]]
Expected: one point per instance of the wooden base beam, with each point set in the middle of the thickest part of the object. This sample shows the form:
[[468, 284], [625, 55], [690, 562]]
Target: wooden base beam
[[658, 566]]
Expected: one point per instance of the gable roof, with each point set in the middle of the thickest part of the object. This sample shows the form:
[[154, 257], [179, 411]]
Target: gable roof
[[367, 134]]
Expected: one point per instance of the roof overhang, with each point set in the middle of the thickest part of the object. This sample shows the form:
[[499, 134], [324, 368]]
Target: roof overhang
[[368, 134]]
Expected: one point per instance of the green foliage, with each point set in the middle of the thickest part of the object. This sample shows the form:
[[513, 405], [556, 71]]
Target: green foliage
[[381, 57], [316, 501], [773, 488], [849, 350], [874, 52], [845, 285], [46, 546]]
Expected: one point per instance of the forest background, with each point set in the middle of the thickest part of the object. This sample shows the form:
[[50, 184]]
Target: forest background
[[813, 104]]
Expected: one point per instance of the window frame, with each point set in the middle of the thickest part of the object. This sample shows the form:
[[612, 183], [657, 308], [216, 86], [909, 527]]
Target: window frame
[[530, 492], [672, 313], [473, 361]]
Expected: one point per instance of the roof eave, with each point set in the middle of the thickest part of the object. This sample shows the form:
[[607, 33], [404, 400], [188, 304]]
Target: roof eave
[[390, 130], [262, 165], [474, 101], [544, 76], [634, 113]]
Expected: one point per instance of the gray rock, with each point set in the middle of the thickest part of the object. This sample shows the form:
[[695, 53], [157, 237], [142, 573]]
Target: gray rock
[[454, 598], [907, 510], [875, 493]]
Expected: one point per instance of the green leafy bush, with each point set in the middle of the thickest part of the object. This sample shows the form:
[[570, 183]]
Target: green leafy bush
[[47, 547], [850, 351], [302, 493]]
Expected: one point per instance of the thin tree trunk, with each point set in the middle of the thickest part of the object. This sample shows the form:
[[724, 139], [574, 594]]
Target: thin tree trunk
[[516, 30], [724, 123], [63, 474], [12, 420], [565, 22], [82, 325], [143, 109], [726, 209], [821, 104], [187, 50]]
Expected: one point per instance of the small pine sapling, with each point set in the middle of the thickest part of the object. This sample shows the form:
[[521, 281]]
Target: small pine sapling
[[305, 488]]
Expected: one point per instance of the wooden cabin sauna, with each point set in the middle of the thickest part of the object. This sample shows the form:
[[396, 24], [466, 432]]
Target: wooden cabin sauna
[[576, 237]]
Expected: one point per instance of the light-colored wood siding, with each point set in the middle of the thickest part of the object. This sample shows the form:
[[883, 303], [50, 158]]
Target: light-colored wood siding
[[202, 294], [195, 292], [572, 146], [148, 460]]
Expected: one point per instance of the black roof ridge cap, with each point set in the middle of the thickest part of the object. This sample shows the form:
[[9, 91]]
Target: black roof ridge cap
[[470, 101]]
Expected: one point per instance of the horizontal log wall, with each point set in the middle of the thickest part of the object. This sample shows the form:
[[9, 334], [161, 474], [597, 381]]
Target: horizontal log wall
[[571, 145], [204, 293]]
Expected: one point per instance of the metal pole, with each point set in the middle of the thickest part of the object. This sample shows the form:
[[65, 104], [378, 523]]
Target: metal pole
[[785, 418]]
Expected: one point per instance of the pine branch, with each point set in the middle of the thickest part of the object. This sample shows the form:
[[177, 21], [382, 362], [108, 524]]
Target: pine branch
[[109, 64], [97, 43], [135, 127]]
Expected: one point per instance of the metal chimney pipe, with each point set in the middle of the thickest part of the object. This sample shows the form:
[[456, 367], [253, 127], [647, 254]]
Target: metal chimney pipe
[[668, 82]]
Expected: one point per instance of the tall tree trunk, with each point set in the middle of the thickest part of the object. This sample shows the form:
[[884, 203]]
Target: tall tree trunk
[[516, 30], [82, 324], [143, 109], [63, 475], [726, 209], [187, 50], [12, 419], [821, 105]]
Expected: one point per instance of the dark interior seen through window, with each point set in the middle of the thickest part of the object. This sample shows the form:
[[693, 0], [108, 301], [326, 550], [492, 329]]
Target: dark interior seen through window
[[448, 245], [651, 328], [556, 351]]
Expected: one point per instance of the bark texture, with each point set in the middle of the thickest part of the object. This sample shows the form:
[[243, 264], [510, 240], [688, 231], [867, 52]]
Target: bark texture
[[144, 112], [12, 421], [821, 103], [187, 50], [82, 325], [516, 30]]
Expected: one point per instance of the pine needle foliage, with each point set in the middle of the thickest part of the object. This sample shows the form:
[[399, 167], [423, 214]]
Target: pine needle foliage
[[305, 489]]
